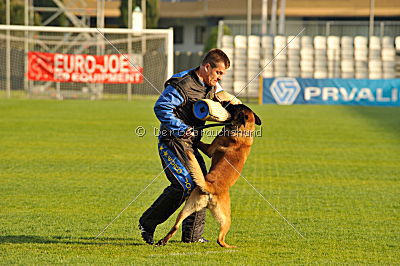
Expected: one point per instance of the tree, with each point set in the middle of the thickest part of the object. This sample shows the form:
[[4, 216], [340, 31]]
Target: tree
[[123, 9], [151, 12], [2, 12], [17, 13], [61, 20], [213, 38]]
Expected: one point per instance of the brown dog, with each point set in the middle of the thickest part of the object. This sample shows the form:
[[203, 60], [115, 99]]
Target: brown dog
[[229, 152]]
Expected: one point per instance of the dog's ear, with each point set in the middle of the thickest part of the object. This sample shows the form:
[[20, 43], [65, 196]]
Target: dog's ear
[[257, 119]]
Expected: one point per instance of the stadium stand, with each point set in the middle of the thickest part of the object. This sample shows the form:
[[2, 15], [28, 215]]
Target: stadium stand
[[310, 57]]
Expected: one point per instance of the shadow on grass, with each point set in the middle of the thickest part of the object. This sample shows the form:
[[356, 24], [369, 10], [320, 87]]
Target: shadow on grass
[[387, 118], [27, 239]]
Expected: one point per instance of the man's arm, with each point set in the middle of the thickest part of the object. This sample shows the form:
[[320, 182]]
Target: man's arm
[[164, 110]]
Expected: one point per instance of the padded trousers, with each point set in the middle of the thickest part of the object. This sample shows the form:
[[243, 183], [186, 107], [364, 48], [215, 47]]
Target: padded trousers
[[174, 162]]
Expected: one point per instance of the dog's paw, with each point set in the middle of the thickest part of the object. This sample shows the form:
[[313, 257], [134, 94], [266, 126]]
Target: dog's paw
[[228, 246], [225, 245]]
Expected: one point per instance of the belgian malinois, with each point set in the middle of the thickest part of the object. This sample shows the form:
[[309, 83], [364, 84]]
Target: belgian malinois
[[229, 151]]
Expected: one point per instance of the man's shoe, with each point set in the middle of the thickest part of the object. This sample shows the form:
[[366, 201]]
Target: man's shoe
[[200, 240], [146, 235]]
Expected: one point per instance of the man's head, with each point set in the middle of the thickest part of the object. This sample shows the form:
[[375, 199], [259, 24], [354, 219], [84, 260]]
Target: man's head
[[214, 66]]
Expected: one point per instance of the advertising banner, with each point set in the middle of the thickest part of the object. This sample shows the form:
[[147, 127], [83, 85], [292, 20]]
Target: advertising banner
[[286, 91], [112, 68]]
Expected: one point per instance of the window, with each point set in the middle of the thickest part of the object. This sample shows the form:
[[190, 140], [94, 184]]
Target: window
[[200, 32], [178, 34]]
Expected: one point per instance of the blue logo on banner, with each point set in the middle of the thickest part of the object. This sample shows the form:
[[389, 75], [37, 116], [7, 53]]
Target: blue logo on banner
[[384, 92], [285, 90]]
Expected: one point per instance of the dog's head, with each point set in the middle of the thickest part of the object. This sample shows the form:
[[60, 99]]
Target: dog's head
[[242, 115]]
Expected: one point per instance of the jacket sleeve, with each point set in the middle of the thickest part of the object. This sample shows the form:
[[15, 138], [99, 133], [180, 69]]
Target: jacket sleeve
[[164, 110]]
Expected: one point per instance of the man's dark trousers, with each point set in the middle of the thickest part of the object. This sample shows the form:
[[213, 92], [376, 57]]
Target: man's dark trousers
[[174, 161]]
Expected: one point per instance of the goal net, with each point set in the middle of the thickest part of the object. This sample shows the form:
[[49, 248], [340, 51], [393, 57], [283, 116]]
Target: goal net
[[63, 62]]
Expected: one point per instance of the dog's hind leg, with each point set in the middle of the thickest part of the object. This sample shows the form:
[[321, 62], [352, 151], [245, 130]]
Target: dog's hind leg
[[222, 213], [197, 201]]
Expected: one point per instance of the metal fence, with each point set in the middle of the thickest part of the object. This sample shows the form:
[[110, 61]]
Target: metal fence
[[152, 50], [314, 28]]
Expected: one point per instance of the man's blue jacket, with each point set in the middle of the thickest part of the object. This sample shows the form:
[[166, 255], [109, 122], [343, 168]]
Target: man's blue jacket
[[169, 100]]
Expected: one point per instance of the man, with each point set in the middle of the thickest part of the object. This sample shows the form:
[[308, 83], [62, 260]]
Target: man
[[178, 133]]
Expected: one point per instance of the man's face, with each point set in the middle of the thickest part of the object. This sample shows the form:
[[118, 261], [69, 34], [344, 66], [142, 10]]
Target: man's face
[[213, 75]]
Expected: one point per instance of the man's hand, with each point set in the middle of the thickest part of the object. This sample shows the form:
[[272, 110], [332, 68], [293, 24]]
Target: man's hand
[[224, 96], [235, 101]]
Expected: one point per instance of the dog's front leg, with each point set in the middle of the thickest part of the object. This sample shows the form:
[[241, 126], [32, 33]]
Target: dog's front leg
[[209, 149], [205, 148]]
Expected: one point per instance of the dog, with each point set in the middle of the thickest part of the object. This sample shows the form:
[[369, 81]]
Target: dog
[[229, 151]]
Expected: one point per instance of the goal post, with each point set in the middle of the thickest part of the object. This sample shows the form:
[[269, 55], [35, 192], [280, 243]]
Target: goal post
[[72, 62]]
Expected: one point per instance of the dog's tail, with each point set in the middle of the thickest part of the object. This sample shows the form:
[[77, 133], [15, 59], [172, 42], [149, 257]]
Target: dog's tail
[[197, 173]]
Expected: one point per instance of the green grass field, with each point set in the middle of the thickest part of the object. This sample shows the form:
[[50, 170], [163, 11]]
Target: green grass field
[[67, 168]]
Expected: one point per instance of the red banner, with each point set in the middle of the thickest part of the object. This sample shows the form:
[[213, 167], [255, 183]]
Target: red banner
[[113, 68]]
